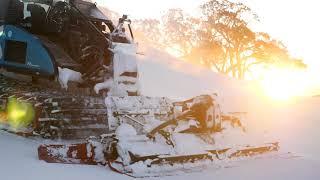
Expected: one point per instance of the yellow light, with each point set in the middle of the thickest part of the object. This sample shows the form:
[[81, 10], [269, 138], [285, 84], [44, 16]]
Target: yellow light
[[20, 114], [17, 114]]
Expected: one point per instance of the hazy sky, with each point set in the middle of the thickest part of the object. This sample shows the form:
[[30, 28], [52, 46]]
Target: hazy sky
[[148, 8], [295, 22]]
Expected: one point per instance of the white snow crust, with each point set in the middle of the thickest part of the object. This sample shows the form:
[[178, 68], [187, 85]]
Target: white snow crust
[[125, 60], [146, 106], [66, 75], [125, 130], [104, 85], [114, 88]]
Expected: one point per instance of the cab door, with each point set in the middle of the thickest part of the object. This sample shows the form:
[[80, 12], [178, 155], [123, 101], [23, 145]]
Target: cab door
[[24, 53]]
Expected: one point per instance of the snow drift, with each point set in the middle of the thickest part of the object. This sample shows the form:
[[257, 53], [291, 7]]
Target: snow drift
[[166, 76]]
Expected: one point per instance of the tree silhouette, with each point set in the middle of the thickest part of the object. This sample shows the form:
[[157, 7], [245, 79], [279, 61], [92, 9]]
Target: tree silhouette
[[230, 46], [149, 31], [220, 39], [179, 30]]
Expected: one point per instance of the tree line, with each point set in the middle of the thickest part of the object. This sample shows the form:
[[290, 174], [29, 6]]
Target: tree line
[[220, 38]]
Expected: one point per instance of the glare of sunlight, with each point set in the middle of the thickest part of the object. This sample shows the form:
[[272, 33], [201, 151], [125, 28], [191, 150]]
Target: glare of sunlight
[[284, 84], [174, 51]]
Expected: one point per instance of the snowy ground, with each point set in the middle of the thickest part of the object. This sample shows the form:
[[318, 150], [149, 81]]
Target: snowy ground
[[19, 159], [294, 124]]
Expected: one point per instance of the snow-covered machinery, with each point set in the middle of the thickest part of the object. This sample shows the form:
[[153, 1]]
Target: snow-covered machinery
[[57, 59], [67, 72], [156, 137]]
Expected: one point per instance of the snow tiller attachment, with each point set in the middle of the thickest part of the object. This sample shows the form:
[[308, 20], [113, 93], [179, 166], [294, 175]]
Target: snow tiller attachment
[[156, 137]]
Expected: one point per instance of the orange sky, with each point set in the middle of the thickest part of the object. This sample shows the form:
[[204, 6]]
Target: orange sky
[[292, 21]]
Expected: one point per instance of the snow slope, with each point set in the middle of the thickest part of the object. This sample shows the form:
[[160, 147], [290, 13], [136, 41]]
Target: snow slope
[[295, 125], [164, 75]]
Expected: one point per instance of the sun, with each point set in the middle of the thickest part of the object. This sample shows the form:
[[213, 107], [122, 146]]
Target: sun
[[278, 88], [284, 84]]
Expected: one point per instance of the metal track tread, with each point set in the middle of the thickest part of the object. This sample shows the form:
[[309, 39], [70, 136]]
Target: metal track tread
[[59, 114]]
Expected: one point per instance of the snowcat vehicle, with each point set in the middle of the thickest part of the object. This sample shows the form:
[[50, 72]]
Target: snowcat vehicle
[[66, 71], [158, 137], [55, 56]]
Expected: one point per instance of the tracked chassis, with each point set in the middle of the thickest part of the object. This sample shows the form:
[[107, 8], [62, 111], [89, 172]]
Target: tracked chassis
[[142, 146], [58, 114]]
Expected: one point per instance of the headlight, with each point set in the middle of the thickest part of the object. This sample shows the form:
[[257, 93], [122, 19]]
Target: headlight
[[20, 114]]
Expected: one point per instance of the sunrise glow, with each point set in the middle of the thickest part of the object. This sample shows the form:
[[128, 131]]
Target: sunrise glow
[[294, 29], [284, 84]]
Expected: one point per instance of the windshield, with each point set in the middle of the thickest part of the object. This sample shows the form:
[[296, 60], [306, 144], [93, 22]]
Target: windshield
[[89, 9], [3, 9]]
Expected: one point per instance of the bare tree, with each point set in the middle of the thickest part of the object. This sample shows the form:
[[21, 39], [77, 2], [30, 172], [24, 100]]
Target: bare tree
[[149, 31], [221, 39], [228, 24], [179, 30]]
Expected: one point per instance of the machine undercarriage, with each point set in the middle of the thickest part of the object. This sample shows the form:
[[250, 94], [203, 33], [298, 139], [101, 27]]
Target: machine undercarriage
[[161, 139], [55, 114]]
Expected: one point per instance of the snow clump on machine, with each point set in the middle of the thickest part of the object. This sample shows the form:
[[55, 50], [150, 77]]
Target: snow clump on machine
[[66, 75], [124, 64]]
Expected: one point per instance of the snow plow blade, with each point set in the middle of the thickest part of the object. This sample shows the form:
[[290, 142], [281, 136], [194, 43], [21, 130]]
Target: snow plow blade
[[88, 154], [165, 165], [210, 155], [84, 154], [67, 154]]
